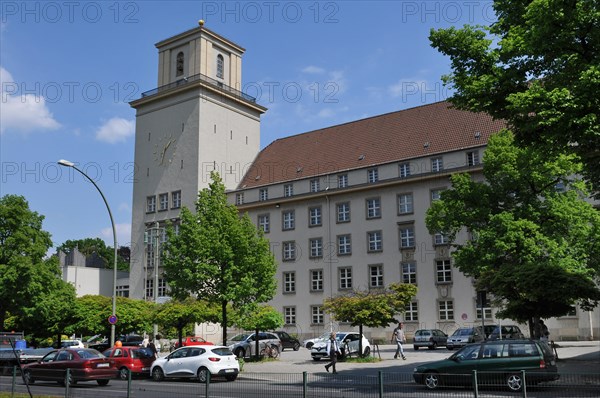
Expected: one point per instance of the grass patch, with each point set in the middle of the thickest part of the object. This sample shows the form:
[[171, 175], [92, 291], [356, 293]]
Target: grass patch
[[17, 395], [368, 359]]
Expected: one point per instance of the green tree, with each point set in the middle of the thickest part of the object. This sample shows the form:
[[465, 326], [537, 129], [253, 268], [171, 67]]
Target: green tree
[[23, 246], [538, 68], [536, 248], [258, 317], [373, 308], [181, 314], [219, 256], [91, 246]]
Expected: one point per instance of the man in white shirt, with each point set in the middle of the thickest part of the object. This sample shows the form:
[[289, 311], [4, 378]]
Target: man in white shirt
[[399, 337], [332, 348]]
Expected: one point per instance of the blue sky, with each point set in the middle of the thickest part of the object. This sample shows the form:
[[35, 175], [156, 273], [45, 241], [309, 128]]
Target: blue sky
[[69, 69]]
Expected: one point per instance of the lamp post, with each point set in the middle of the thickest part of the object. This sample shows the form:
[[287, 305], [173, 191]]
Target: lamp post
[[67, 163]]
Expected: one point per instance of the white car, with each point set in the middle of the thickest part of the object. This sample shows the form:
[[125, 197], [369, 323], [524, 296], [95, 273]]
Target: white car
[[308, 343], [197, 362], [349, 344], [71, 344]]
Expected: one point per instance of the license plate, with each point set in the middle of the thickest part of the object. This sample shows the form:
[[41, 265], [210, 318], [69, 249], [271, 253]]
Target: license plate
[[145, 369], [103, 365], [229, 370]]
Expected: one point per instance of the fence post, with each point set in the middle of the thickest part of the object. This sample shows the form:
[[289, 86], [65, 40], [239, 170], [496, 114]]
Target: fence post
[[524, 389], [128, 383], [14, 382], [67, 382], [304, 384], [380, 383], [207, 384], [475, 385]]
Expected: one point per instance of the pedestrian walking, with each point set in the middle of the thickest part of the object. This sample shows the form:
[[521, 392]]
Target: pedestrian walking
[[399, 337], [544, 333], [333, 348]]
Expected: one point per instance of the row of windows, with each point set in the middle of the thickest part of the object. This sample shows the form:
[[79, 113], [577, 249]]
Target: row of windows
[[180, 65], [345, 281], [163, 202], [373, 210], [445, 309], [163, 290], [404, 170]]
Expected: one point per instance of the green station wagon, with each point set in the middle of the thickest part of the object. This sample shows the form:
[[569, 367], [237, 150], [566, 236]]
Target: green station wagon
[[498, 362]]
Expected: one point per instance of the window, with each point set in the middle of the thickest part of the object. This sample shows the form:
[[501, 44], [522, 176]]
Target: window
[[407, 236], [314, 185], [411, 312], [344, 245], [409, 273], [289, 282], [220, 67], [162, 288], [179, 64], [314, 219], [472, 158], [437, 165], [343, 212], [289, 251], [342, 180], [149, 288], [404, 170], [122, 291], [316, 280], [372, 175], [405, 203], [440, 239], [486, 310], [263, 194], [289, 315], [264, 222], [444, 271], [375, 243], [316, 247], [150, 204], [288, 220], [376, 276], [239, 198], [288, 190], [436, 194], [373, 208], [176, 199], [317, 317], [345, 275], [163, 201], [446, 310], [150, 253]]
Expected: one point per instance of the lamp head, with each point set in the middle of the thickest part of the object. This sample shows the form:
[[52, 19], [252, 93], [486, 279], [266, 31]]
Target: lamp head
[[66, 163]]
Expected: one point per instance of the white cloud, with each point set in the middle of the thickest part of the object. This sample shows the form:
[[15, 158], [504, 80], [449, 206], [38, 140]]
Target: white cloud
[[22, 112], [116, 130], [123, 235], [313, 69]]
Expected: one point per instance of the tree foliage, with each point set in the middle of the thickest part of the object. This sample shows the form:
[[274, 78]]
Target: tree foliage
[[97, 246], [538, 68], [181, 314], [536, 248], [258, 317], [373, 308], [219, 256]]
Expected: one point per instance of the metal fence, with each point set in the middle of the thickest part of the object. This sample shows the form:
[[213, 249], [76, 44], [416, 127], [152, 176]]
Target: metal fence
[[308, 385]]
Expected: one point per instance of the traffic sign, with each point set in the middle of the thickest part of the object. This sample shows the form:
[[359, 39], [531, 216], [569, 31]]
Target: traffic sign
[[112, 319]]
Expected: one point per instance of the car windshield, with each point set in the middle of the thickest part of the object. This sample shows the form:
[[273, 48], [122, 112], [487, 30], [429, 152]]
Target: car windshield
[[422, 333], [463, 332], [142, 353], [240, 337], [88, 354], [223, 351], [467, 352]]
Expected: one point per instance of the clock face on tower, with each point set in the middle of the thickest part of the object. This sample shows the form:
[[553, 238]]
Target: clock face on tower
[[164, 150]]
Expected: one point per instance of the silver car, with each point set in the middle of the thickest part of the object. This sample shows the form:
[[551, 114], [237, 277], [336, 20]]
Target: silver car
[[243, 345], [430, 338]]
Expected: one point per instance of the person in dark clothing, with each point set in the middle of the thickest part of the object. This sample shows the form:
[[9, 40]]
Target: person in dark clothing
[[333, 348]]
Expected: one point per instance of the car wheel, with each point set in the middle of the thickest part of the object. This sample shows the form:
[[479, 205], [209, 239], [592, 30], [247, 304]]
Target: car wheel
[[433, 346], [123, 373], [27, 377], [432, 381], [240, 353], [514, 382], [309, 345], [231, 377], [367, 351], [316, 359], [203, 375], [296, 346], [416, 348], [158, 374], [102, 382]]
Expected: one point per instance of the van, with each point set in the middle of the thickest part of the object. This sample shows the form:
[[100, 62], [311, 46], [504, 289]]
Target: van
[[498, 362]]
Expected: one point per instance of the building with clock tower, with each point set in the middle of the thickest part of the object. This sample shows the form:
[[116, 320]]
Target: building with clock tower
[[197, 120]]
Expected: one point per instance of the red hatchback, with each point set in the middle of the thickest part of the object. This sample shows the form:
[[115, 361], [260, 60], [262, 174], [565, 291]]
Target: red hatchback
[[196, 340], [136, 360], [84, 364]]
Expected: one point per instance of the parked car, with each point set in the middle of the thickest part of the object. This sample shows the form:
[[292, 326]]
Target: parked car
[[192, 340], [84, 364], [506, 332], [136, 360], [197, 362], [430, 338], [349, 344], [287, 341], [131, 340], [71, 343], [244, 345], [101, 346], [308, 343], [496, 362], [464, 336]]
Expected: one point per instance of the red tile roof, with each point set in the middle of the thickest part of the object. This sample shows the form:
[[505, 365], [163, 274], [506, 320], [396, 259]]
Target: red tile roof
[[422, 131]]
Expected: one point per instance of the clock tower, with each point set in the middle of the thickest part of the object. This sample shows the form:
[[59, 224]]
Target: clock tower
[[197, 120]]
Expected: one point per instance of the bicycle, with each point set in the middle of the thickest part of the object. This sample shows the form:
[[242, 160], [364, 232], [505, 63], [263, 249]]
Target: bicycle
[[270, 351]]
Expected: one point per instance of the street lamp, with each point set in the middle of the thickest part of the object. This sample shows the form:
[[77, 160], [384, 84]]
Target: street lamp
[[67, 163]]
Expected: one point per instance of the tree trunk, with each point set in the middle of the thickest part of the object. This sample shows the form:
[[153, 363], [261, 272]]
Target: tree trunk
[[360, 347], [224, 320], [256, 344]]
